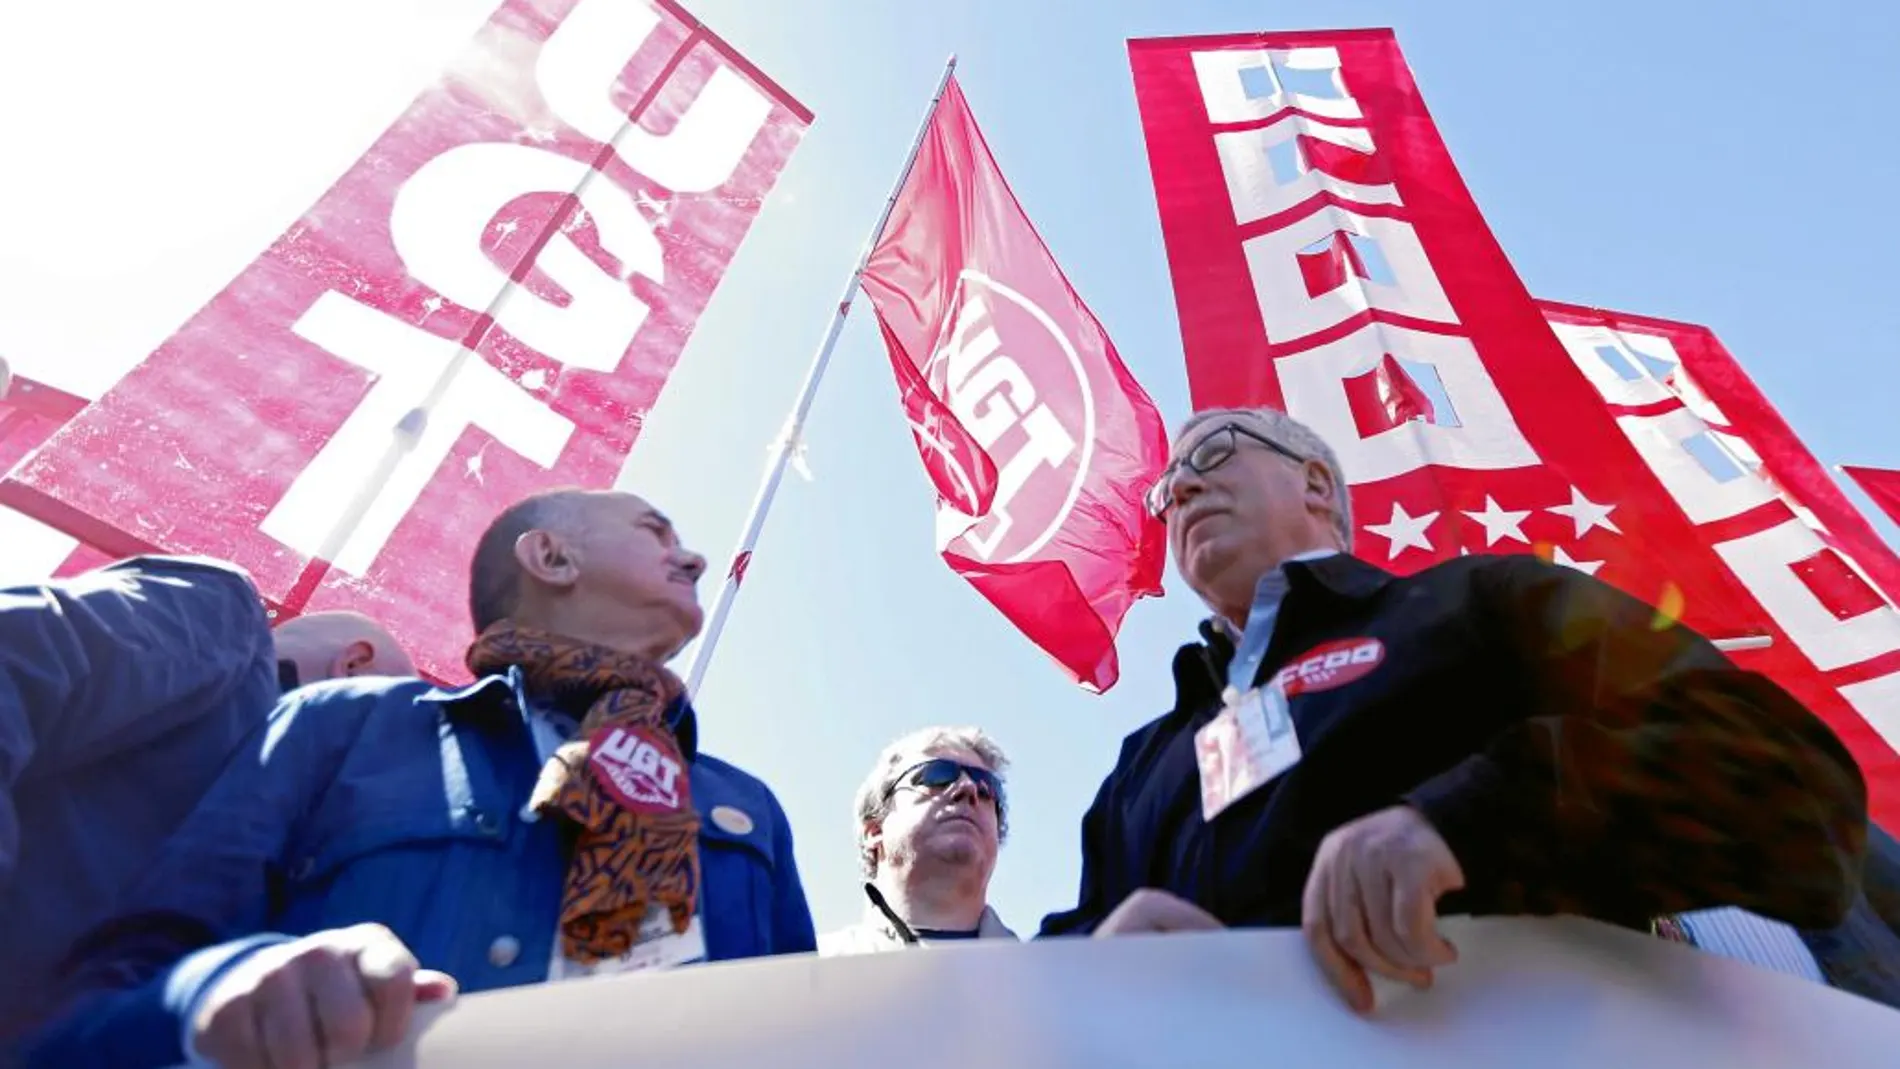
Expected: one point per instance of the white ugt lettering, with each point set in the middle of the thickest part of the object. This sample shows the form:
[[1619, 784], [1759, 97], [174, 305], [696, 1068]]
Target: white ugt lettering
[[408, 363], [582, 61], [442, 210]]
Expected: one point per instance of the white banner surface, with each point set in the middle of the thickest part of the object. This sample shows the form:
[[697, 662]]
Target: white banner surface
[[1551, 993]]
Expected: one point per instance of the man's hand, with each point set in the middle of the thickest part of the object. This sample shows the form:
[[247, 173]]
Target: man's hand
[[1149, 910], [327, 998], [1372, 902]]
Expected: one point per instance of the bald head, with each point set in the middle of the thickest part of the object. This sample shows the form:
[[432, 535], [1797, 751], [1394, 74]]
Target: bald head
[[330, 645], [601, 566], [495, 575]]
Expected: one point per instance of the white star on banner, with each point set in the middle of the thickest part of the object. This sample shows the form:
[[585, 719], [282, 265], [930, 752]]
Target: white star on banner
[[1587, 567], [1586, 513], [1501, 523], [1404, 530]]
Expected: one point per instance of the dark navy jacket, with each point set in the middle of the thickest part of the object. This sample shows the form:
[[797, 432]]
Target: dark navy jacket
[[394, 802], [1578, 753], [122, 694]]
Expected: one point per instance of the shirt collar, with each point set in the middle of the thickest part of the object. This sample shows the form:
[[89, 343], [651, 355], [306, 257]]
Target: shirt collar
[[880, 917], [1227, 626], [504, 694]]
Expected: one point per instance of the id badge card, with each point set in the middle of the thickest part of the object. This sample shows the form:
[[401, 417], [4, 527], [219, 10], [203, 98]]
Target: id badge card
[[1247, 744], [659, 947]]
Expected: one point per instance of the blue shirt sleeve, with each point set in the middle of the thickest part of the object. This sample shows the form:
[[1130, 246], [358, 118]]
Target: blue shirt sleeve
[[792, 929], [107, 661], [206, 903]]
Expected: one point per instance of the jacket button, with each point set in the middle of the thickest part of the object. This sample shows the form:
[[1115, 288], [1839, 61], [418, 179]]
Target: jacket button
[[484, 822], [303, 868], [503, 951]]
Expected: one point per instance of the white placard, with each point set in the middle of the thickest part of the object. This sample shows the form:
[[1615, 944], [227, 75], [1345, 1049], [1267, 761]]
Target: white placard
[[1552, 993]]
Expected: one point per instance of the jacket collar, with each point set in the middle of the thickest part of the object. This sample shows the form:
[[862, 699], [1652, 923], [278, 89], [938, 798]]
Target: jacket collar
[[885, 925], [1200, 667], [504, 696]]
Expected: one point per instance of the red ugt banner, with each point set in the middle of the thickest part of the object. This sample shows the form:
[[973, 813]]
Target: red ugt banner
[[1039, 442], [29, 551], [486, 304], [1329, 261]]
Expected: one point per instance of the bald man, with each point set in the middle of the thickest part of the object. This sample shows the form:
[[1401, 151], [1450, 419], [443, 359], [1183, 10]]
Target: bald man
[[336, 645], [390, 841]]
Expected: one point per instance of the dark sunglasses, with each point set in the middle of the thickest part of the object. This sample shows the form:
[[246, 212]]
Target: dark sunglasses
[[1217, 447], [941, 773]]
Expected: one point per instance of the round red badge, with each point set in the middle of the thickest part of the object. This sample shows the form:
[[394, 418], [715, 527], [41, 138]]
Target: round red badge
[[632, 764], [1332, 664]]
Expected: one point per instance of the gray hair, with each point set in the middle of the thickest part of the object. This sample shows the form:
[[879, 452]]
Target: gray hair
[[1299, 439], [874, 794]]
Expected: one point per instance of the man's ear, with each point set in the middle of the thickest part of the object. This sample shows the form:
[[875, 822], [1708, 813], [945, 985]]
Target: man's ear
[[1320, 487], [546, 557], [871, 844], [355, 660]]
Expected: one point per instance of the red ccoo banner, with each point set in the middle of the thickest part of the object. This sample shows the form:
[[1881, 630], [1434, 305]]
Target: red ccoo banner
[[1329, 261], [1038, 440], [1761, 503], [1881, 485], [486, 304]]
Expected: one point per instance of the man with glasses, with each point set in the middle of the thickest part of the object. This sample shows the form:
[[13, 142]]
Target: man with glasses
[[1357, 752], [931, 818]]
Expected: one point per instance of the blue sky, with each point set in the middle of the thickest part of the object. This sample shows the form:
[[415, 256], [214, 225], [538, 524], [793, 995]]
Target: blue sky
[[1734, 170], [1637, 156]]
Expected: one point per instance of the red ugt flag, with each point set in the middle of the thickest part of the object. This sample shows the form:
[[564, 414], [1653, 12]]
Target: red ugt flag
[[1038, 440]]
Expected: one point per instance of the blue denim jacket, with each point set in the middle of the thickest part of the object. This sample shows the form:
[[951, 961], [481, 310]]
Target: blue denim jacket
[[389, 801], [123, 692]]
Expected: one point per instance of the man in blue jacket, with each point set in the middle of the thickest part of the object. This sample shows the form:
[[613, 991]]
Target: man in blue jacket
[[123, 691], [552, 819]]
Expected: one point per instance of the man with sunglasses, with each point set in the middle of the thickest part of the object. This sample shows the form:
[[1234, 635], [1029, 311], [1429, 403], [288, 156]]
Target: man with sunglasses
[[1356, 752], [931, 818]]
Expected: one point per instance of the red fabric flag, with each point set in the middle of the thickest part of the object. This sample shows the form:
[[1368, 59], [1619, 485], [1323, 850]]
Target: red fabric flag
[[1881, 485], [1039, 442], [1520, 452], [486, 304]]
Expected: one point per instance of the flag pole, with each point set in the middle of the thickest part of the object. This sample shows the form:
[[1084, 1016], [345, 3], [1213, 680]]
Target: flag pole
[[790, 439]]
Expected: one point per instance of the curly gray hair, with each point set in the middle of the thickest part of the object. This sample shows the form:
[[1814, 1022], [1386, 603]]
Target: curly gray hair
[[874, 794], [1299, 439]]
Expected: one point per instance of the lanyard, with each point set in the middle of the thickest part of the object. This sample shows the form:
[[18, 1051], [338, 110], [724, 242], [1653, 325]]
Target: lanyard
[[1252, 648]]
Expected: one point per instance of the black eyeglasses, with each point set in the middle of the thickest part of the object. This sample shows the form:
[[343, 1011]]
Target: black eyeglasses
[[941, 773], [1217, 447]]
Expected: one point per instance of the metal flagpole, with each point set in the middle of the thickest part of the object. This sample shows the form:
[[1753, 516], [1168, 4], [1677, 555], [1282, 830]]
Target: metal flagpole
[[790, 438]]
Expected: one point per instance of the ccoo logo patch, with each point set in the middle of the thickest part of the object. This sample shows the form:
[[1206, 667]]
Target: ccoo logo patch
[[1333, 664], [632, 766]]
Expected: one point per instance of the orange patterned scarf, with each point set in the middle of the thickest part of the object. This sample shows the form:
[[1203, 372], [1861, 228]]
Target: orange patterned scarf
[[622, 781]]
